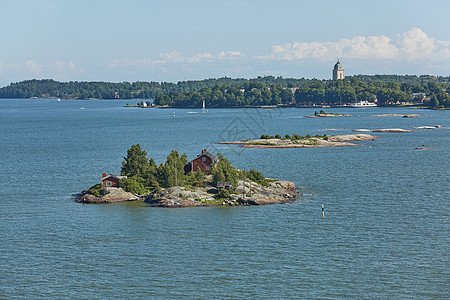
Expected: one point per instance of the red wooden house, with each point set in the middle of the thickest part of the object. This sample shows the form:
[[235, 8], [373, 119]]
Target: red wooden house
[[111, 180], [204, 162]]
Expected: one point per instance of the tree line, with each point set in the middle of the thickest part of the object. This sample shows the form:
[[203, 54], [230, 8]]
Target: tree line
[[126, 90], [144, 175], [315, 92], [229, 92], [251, 94]]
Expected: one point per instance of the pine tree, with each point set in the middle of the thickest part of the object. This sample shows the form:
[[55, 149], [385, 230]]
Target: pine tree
[[136, 163]]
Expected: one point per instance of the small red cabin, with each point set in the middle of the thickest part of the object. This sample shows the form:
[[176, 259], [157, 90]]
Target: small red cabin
[[111, 180], [204, 162]]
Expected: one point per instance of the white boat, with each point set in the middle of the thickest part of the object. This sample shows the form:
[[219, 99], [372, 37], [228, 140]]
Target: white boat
[[362, 104], [57, 99], [204, 109]]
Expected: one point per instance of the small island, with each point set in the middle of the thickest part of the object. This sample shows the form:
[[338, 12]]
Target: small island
[[323, 114], [298, 141], [399, 115], [207, 180]]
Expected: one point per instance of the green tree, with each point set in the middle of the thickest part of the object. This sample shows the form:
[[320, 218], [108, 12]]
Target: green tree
[[224, 171], [434, 102], [136, 163], [223, 194], [172, 172], [134, 184], [257, 177]]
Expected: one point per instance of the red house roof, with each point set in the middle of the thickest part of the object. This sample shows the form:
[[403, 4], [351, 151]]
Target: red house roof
[[203, 162]]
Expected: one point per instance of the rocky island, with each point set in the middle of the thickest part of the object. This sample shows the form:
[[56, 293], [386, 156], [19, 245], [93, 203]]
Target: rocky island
[[323, 114], [398, 115], [297, 141], [204, 181]]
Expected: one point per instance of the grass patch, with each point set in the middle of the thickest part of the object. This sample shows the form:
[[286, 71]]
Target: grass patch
[[95, 190]]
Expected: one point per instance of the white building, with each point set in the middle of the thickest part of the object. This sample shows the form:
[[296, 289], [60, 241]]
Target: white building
[[338, 71]]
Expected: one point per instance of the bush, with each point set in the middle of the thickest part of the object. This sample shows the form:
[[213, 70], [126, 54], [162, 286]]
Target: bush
[[195, 178], [278, 136], [224, 171], [257, 177], [223, 194], [96, 189], [135, 185]]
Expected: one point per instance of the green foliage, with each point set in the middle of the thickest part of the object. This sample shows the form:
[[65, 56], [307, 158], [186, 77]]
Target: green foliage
[[257, 177], [172, 172], [227, 92], [224, 171], [294, 137], [134, 184], [223, 194], [266, 137], [96, 189], [195, 178], [144, 175], [136, 162], [434, 102]]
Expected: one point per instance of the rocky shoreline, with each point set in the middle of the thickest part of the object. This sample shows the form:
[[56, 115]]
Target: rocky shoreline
[[328, 141], [108, 195], [246, 193]]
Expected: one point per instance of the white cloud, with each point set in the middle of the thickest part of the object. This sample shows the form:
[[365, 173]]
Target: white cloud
[[33, 68], [200, 58], [410, 45], [230, 55], [173, 56], [61, 67], [177, 57]]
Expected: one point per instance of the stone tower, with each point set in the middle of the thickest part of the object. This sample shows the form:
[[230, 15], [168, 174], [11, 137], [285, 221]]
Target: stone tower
[[338, 71]]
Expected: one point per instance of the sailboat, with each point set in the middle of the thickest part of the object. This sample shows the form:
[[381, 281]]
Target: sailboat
[[204, 109]]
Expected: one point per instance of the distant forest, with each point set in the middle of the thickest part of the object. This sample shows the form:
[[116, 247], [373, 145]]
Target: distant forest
[[229, 92]]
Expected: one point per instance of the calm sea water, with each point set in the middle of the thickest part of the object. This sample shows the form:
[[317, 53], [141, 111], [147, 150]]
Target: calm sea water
[[385, 232]]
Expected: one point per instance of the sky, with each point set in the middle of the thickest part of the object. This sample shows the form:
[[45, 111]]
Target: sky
[[172, 40]]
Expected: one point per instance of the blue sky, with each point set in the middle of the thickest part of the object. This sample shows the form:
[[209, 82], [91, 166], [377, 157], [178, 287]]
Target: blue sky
[[184, 40]]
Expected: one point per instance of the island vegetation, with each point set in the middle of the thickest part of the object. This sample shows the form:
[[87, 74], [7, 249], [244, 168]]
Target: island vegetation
[[323, 114], [298, 141], [169, 185], [430, 91]]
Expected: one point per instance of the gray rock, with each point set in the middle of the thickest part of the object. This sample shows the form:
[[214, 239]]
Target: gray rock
[[109, 195]]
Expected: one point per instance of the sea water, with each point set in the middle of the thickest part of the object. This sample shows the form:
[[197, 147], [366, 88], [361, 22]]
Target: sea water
[[385, 233]]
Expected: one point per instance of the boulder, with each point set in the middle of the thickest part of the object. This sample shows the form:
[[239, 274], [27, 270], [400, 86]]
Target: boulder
[[283, 184], [169, 200], [109, 195]]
